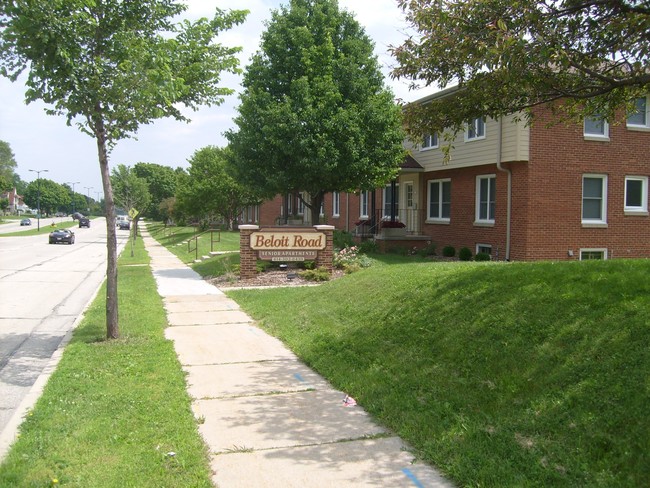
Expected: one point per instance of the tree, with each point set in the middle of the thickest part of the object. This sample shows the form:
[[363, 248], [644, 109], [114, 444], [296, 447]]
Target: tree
[[315, 115], [509, 56], [53, 197], [209, 191], [110, 66], [161, 181], [131, 192], [7, 166]]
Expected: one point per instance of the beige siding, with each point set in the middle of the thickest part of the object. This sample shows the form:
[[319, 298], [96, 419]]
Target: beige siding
[[479, 152]]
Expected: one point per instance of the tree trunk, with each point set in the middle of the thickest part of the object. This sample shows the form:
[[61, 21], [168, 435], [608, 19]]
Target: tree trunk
[[112, 324], [316, 202]]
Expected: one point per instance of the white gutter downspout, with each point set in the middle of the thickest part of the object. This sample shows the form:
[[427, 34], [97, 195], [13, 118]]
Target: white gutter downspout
[[509, 197]]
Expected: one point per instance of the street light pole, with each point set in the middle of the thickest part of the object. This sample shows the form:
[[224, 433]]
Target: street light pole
[[88, 188], [73, 183], [38, 195]]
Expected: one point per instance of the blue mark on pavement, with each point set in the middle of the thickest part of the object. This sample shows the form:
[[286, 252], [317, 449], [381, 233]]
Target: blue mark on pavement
[[412, 477], [299, 377]]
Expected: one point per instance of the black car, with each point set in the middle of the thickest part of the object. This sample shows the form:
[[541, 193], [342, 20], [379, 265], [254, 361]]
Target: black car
[[25, 222], [124, 225], [77, 216], [62, 236], [84, 222]]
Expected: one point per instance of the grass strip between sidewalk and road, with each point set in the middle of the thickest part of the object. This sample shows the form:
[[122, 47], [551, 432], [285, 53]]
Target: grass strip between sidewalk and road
[[115, 413], [501, 375]]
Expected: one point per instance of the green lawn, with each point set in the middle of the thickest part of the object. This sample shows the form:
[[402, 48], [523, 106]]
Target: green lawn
[[501, 375], [175, 239], [115, 413], [45, 229]]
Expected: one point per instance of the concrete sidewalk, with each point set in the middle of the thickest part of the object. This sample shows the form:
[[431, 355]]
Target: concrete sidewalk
[[268, 420]]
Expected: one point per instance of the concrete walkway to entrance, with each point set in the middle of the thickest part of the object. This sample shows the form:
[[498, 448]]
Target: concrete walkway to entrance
[[268, 420]]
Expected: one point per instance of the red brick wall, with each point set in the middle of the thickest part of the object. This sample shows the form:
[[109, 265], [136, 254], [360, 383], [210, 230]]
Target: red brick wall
[[559, 156]]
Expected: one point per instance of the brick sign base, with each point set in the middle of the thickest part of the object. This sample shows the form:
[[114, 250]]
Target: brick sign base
[[284, 249]]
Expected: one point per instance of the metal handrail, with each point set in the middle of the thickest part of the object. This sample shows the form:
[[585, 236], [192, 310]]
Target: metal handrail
[[195, 238]]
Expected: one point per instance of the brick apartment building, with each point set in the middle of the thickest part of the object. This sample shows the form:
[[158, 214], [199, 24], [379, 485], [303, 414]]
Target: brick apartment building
[[516, 192]]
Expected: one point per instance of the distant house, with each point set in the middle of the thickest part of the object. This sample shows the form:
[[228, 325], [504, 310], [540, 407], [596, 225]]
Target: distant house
[[515, 192], [16, 203]]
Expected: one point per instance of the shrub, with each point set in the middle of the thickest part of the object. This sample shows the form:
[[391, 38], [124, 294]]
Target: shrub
[[368, 247], [342, 239], [429, 250], [319, 274], [449, 251], [465, 254], [482, 256]]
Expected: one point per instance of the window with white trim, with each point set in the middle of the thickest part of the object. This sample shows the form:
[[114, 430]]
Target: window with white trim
[[636, 194], [475, 129], [587, 254], [484, 248], [301, 204], [594, 199], [439, 204], [485, 198], [596, 126], [363, 204], [387, 200], [430, 141], [640, 117], [336, 204]]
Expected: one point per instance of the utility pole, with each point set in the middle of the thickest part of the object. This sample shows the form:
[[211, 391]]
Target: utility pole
[[73, 184]]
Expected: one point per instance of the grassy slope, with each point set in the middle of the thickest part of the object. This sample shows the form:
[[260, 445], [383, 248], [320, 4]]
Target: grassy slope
[[525, 374], [113, 410]]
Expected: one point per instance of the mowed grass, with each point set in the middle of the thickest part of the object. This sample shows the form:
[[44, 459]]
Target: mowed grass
[[501, 375], [175, 239], [115, 413], [46, 228]]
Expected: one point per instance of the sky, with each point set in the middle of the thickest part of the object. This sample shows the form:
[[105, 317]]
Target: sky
[[44, 142]]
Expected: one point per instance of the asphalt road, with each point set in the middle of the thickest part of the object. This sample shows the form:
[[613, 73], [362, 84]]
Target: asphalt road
[[44, 288]]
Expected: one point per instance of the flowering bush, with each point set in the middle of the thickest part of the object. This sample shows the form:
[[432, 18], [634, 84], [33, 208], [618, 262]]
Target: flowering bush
[[349, 259], [387, 224]]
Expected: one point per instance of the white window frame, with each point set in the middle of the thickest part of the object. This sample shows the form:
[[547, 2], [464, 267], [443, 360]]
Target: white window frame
[[336, 204], [477, 216], [643, 208], [481, 248], [430, 141], [602, 250], [603, 203], [646, 125], [472, 132], [598, 136], [301, 205], [440, 183], [363, 204], [386, 203]]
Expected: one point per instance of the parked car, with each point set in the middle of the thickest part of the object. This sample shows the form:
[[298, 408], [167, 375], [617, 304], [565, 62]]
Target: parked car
[[84, 222], [123, 224], [62, 236], [26, 222]]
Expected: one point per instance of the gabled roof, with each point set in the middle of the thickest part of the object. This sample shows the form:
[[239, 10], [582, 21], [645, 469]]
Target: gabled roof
[[411, 165]]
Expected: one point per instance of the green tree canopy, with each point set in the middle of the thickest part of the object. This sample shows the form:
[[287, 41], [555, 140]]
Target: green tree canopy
[[7, 166], [315, 115], [161, 181], [209, 192], [110, 66], [509, 56], [130, 190], [53, 196]]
